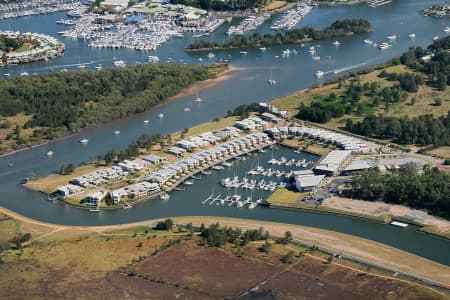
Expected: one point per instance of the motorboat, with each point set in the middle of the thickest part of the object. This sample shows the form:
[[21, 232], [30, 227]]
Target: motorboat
[[164, 196], [243, 52], [198, 99], [188, 182], [50, 153], [146, 121], [187, 109], [263, 49], [392, 37], [447, 29], [412, 35], [436, 38], [336, 43], [153, 59], [160, 116], [119, 63], [210, 55], [84, 141], [319, 74], [116, 132]]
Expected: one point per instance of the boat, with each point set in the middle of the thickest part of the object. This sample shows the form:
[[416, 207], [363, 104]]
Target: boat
[[399, 224], [25, 180], [217, 167], [116, 132], [99, 67], [271, 81], [252, 205], [160, 116], [243, 52], [164, 196], [49, 153], [436, 38], [392, 37], [187, 109], [210, 55], [153, 59], [384, 46], [447, 29], [412, 35], [368, 42], [84, 141], [262, 49], [319, 74], [316, 58], [198, 99], [227, 164], [336, 43], [146, 121], [188, 182], [119, 63], [127, 205]]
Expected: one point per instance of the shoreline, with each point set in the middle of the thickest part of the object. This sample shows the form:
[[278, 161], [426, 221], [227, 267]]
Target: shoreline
[[206, 84], [369, 250]]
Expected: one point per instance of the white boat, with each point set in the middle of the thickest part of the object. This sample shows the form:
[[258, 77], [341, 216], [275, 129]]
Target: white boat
[[146, 121], [210, 55], [315, 58], [188, 182], [447, 29], [336, 43], [392, 37], [263, 49], [153, 59], [198, 99], [84, 141], [119, 63], [164, 196], [312, 50], [252, 205], [99, 67], [436, 38], [384, 46], [319, 74], [116, 132], [24, 74], [271, 81], [243, 52], [399, 224], [412, 35], [187, 109], [368, 42], [161, 116], [50, 153]]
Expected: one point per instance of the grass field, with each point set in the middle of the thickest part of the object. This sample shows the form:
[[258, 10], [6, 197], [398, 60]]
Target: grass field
[[441, 152], [274, 5], [285, 197]]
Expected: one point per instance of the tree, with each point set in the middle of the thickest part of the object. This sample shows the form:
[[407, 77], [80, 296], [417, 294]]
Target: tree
[[266, 247], [288, 258], [437, 102]]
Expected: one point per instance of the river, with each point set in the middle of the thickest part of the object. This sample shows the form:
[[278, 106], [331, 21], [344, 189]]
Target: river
[[292, 73]]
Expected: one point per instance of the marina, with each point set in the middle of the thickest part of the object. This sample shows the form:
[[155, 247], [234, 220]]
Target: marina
[[292, 17], [248, 24], [246, 88]]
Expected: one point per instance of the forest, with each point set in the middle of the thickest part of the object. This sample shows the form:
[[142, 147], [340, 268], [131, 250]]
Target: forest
[[219, 5], [65, 101], [422, 130], [428, 189], [337, 29]]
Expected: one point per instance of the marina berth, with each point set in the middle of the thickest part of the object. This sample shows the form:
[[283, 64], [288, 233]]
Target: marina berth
[[292, 17], [248, 24]]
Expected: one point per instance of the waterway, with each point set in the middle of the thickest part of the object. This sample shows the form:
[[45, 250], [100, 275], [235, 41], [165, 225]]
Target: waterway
[[292, 73]]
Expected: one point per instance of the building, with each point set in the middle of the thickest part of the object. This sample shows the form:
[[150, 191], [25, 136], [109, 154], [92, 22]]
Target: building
[[68, 190], [356, 166], [332, 163], [94, 198], [306, 183], [154, 159]]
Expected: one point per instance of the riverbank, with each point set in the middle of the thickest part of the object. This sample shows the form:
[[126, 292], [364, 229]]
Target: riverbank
[[219, 76], [365, 249]]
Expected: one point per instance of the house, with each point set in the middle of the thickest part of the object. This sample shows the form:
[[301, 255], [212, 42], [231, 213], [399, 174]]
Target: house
[[68, 190], [154, 159], [94, 198]]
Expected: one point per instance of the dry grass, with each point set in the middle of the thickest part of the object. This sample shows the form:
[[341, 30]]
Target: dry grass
[[285, 197], [274, 5], [441, 152]]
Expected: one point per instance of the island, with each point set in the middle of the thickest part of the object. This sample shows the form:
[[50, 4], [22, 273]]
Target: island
[[18, 48], [295, 36]]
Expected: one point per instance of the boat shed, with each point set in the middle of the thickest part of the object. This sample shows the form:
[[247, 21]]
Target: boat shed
[[332, 163], [308, 182], [357, 166]]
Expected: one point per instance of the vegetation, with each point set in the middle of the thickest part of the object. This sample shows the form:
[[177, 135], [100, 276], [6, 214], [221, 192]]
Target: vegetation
[[423, 130], [337, 29], [8, 44], [244, 110], [428, 189], [61, 102], [167, 224], [217, 236], [223, 5]]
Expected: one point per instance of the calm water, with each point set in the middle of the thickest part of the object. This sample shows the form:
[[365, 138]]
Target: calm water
[[292, 73]]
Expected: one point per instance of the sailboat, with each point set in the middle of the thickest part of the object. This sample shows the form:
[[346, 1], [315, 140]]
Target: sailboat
[[198, 99], [271, 81]]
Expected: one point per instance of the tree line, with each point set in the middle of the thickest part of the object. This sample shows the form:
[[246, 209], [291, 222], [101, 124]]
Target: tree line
[[422, 130], [219, 5], [336, 29], [428, 189]]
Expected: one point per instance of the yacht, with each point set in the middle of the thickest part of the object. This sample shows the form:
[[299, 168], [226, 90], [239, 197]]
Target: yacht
[[161, 116], [164, 196], [84, 141], [198, 99], [336, 43], [153, 59], [271, 81], [392, 37], [383, 46], [319, 74], [50, 153], [412, 35], [243, 52], [119, 63]]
